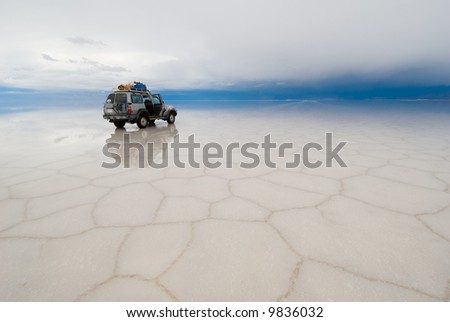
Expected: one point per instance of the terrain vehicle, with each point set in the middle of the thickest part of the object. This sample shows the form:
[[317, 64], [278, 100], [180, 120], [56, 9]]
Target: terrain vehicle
[[140, 107]]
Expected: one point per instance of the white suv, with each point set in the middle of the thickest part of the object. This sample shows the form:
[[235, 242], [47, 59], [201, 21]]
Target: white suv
[[141, 107]]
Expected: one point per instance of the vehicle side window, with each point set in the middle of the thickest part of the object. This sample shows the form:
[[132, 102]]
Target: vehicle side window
[[121, 99], [136, 98], [156, 99]]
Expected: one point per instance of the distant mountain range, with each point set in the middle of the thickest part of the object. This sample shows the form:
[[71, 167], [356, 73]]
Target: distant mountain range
[[350, 92], [19, 97]]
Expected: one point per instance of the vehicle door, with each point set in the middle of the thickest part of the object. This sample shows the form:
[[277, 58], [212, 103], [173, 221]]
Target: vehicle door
[[157, 104], [137, 102]]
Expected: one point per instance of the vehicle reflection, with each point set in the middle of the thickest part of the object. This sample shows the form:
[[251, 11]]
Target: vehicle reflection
[[136, 148]]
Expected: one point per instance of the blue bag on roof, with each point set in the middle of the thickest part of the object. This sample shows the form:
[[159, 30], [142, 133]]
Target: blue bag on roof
[[138, 87]]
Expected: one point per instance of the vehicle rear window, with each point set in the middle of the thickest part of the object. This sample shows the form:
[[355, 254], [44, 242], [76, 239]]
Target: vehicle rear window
[[120, 98], [111, 97]]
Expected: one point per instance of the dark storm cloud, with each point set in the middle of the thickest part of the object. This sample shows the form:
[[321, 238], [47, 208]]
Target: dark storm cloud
[[49, 58]]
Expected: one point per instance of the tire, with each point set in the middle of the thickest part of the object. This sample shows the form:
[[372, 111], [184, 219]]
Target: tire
[[142, 121], [119, 124], [171, 118]]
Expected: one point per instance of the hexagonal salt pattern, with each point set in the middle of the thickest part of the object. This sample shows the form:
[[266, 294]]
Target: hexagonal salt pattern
[[377, 230]]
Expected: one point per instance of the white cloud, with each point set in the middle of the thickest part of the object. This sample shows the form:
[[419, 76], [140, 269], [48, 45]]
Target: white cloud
[[203, 43], [84, 41], [101, 67]]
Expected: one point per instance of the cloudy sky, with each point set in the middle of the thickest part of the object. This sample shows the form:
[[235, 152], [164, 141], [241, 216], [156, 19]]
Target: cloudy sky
[[217, 44]]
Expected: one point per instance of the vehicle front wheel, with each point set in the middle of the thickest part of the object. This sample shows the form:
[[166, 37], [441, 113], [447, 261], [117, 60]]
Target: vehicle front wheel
[[171, 118], [142, 122], [119, 124]]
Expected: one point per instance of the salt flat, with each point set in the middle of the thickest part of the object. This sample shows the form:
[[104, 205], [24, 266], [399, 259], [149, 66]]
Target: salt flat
[[377, 230]]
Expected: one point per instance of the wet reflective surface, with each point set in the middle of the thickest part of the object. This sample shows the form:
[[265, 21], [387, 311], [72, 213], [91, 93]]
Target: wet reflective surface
[[71, 230]]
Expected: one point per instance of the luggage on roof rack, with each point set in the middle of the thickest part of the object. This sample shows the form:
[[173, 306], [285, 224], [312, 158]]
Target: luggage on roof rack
[[138, 86], [125, 87]]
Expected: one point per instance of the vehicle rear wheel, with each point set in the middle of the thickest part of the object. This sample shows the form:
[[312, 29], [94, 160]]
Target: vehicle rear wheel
[[171, 118], [119, 124], [142, 121]]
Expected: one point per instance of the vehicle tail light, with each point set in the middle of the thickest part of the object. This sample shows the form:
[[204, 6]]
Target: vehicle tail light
[[129, 109]]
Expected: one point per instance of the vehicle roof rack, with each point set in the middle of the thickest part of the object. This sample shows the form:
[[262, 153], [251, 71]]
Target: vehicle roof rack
[[131, 90]]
